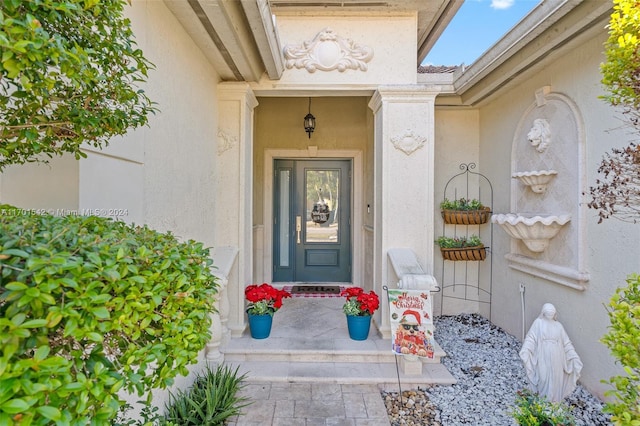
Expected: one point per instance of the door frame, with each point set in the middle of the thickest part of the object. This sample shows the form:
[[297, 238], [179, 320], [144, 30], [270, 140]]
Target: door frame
[[357, 221]]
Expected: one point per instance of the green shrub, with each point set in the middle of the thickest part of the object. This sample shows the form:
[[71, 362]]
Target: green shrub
[[623, 339], [89, 307], [535, 410], [149, 416], [210, 401]]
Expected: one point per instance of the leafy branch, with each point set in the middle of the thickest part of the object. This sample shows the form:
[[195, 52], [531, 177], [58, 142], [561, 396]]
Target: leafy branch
[[70, 73], [617, 194]]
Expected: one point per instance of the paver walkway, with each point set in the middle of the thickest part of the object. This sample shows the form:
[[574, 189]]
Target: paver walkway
[[312, 404]]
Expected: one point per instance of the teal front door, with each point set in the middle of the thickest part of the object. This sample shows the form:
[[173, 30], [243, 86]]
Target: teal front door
[[312, 221]]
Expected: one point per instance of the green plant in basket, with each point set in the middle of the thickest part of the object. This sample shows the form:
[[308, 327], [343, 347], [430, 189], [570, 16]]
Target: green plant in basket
[[461, 204], [459, 242]]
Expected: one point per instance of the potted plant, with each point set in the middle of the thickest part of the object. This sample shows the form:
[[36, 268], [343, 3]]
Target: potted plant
[[264, 301], [358, 308], [462, 248], [464, 211]]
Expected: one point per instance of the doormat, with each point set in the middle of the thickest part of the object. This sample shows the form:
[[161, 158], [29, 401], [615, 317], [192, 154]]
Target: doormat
[[315, 290]]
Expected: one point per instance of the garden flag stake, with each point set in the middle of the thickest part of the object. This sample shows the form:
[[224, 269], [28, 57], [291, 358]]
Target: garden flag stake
[[411, 322]]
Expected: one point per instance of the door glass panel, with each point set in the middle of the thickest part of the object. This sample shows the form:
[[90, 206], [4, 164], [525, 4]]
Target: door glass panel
[[321, 199], [285, 188]]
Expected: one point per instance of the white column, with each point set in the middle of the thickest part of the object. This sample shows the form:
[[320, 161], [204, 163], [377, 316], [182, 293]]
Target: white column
[[234, 189], [404, 194]]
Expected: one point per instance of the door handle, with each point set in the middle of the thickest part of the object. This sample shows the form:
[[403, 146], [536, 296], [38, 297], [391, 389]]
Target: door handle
[[298, 227]]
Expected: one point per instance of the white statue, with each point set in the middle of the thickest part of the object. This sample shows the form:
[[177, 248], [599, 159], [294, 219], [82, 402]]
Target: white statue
[[552, 364], [540, 134]]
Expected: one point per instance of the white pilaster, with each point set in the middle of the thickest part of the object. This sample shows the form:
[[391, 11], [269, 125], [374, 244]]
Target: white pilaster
[[404, 167], [234, 189]]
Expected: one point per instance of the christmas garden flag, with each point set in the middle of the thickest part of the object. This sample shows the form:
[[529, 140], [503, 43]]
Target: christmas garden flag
[[411, 322]]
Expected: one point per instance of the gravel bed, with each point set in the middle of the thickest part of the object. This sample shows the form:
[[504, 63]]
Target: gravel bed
[[485, 362]]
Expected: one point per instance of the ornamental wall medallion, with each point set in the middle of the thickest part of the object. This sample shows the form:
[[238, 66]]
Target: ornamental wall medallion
[[409, 142], [225, 141], [327, 52]]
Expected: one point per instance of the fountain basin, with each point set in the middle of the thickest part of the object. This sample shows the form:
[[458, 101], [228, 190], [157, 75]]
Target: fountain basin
[[535, 232], [536, 180]]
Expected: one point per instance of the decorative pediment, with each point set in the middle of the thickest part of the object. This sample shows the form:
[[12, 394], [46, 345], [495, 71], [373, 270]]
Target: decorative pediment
[[327, 52], [408, 142]]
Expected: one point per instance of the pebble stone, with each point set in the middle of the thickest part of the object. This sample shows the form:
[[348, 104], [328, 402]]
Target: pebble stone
[[485, 362]]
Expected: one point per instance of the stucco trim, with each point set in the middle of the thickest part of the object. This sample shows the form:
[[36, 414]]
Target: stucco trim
[[558, 274]]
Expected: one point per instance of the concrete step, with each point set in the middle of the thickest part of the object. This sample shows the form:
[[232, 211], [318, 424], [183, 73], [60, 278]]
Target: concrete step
[[309, 341], [280, 349], [384, 374]]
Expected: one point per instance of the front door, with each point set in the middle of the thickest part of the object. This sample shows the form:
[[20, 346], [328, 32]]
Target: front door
[[312, 221]]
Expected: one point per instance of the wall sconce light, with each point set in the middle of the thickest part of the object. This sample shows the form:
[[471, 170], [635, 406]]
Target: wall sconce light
[[309, 122]]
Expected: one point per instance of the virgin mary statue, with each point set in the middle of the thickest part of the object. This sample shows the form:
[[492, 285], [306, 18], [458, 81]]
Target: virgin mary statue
[[552, 364]]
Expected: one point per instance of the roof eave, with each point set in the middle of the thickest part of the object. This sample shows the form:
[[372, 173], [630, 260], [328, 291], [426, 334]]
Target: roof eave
[[550, 27], [431, 33]]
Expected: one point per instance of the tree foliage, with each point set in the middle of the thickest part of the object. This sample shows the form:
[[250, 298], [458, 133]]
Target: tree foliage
[[69, 74], [89, 307], [621, 71], [617, 193], [623, 339]]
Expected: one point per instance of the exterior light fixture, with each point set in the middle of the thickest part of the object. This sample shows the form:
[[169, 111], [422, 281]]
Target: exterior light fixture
[[309, 121]]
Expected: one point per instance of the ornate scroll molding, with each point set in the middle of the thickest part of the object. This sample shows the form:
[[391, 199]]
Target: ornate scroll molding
[[326, 52], [225, 141], [408, 142]]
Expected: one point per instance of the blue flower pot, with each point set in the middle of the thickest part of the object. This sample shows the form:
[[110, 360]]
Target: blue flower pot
[[260, 325], [358, 326]]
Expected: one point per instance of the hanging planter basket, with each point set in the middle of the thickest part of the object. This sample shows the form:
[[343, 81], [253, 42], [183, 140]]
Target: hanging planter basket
[[464, 253], [466, 217]]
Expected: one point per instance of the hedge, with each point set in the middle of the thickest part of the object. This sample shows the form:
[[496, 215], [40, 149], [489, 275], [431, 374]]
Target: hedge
[[90, 307]]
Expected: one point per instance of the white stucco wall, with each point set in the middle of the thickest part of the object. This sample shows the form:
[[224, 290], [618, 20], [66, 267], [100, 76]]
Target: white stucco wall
[[392, 38], [576, 76], [456, 143], [52, 187], [163, 174]]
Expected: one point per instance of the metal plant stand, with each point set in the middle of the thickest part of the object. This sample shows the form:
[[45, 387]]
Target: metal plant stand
[[466, 281]]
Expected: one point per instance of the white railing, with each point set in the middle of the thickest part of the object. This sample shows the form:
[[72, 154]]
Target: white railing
[[405, 272], [224, 258]]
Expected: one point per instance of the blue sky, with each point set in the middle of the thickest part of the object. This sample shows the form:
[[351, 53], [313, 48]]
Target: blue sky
[[476, 27]]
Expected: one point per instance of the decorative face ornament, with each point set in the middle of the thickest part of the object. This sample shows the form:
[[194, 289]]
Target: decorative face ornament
[[540, 134]]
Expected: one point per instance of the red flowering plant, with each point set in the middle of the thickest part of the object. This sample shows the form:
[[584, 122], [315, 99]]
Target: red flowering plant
[[264, 299], [360, 303]]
